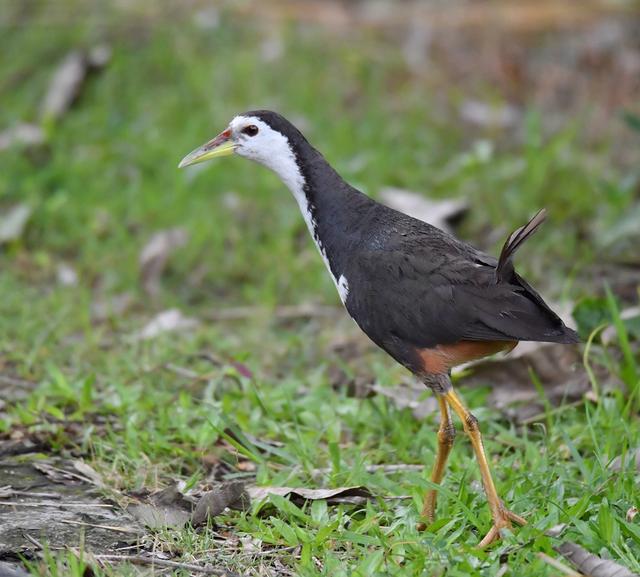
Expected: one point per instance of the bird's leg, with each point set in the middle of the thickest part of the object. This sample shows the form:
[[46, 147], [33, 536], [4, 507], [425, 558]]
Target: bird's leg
[[446, 436], [502, 517]]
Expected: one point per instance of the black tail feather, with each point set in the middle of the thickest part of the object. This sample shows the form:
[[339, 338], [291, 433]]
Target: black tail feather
[[504, 270]]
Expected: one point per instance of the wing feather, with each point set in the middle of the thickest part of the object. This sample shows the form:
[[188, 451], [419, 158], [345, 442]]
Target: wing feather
[[437, 290]]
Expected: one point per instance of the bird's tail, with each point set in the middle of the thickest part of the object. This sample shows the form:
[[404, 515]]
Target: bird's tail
[[504, 270]]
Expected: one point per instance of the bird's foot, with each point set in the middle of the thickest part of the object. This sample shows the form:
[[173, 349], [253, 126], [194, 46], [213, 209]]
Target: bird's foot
[[501, 521], [424, 523]]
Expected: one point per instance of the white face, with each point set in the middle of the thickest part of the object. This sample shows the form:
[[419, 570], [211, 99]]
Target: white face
[[256, 140]]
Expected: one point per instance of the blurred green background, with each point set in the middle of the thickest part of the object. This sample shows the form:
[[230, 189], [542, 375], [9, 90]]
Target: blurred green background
[[508, 106]]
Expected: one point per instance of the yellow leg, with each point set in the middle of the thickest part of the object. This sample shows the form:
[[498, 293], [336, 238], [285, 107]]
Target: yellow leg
[[502, 517], [446, 436]]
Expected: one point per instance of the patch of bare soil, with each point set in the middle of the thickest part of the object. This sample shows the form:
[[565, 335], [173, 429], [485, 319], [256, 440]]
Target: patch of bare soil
[[38, 506]]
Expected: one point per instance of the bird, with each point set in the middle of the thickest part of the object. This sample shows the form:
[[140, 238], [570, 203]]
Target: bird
[[429, 300]]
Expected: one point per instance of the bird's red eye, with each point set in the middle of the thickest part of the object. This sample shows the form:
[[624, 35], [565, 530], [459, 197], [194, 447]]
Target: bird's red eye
[[250, 130]]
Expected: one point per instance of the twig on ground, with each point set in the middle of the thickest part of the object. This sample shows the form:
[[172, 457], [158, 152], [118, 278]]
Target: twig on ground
[[34, 541], [8, 491], [50, 470]]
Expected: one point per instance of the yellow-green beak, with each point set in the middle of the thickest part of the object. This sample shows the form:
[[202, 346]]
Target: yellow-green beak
[[221, 145]]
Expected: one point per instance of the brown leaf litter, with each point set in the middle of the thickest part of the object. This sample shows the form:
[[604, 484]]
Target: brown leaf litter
[[630, 460], [410, 395], [68, 79], [166, 508], [155, 255], [213, 503], [168, 321], [591, 565], [13, 221], [356, 495], [23, 134], [64, 89], [172, 508], [54, 503], [558, 368]]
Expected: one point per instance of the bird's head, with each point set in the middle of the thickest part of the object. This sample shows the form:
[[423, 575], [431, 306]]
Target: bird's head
[[261, 135]]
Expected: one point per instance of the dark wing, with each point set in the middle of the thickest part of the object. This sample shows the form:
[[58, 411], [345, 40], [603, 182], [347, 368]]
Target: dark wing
[[428, 289]]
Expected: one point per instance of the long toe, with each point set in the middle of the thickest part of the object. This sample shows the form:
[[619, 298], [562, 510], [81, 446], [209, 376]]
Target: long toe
[[492, 536], [515, 518], [502, 522]]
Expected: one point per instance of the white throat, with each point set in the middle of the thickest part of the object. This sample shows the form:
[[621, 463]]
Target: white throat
[[273, 150]]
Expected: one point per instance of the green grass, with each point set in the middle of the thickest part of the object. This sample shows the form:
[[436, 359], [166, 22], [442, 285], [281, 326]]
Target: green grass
[[108, 180]]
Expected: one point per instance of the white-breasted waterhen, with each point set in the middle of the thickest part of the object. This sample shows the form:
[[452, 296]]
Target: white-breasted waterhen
[[429, 300]]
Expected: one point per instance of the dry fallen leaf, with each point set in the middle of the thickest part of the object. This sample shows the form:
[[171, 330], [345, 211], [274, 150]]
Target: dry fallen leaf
[[487, 115], [630, 460], [168, 321], [592, 565], [166, 508], [155, 254], [22, 134], [442, 214], [559, 369], [89, 473], [66, 275], [417, 398], [212, 503], [13, 221], [59, 474], [352, 495], [99, 56], [65, 85], [68, 79]]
